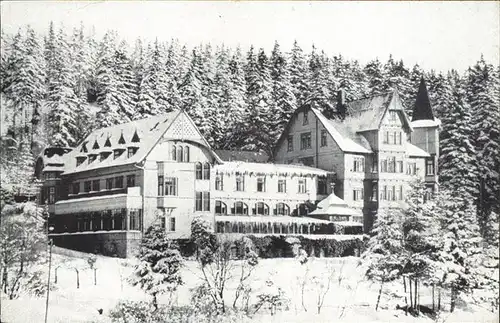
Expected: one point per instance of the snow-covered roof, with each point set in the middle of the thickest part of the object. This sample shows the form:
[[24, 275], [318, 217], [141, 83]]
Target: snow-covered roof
[[336, 237], [414, 151], [333, 205], [272, 219], [349, 224], [142, 134], [344, 143], [266, 169], [426, 123]]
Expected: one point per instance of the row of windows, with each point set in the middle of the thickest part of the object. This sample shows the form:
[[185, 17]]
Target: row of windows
[[105, 154], [393, 138], [273, 228], [179, 153], [259, 208], [261, 184], [106, 220], [167, 186], [121, 141], [391, 193], [95, 185], [305, 140], [391, 165]]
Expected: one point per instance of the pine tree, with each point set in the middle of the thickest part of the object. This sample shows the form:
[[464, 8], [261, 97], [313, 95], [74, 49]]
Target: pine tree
[[321, 89], [159, 270], [172, 69], [482, 92], [457, 160], [376, 78], [298, 74]]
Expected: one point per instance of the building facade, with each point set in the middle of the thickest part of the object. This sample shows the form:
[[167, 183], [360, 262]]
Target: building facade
[[375, 150]]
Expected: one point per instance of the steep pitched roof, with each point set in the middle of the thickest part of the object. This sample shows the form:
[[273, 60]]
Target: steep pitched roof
[[422, 109], [346, 141], [368, 113], [246, 156], [333, 205], [145, 132]]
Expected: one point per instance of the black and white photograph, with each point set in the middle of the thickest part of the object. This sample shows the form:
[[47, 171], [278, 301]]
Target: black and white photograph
[[249, 161]]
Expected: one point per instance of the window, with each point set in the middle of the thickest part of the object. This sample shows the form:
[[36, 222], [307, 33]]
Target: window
[[96, 185], [121, 141], [305, 141], [386, 137], [323, 138], [240, 183], [173, 152], [131, 151], [103, 155], [109, 183], [180, 154], [322, 186], [307, 161], [357, 194], [429, 166], [261, 208], [282, 186], [261, 184], [391, 192], [393, 115], [305, 120], [399, 138], [206, 171], [202, 201], [240, 208], [383, 193], [374, 164], [92, 157], [289, 142], [219, 182], [80, 160], [400, 193], [96, 145], [130, 180], [411, 169], [282, 209], [359, 164], [87, 186], [76, 188], [399, 167], [186, 154], [199, 201], [117, 153], [302, 186], [199, 171], [135, 137], [172, 224], [220, 207], [160, 186], [383, 166], [107, 143], [163, 222], [170, 186], [52, 195], [391, 138], [374, 195], [119, 182], [391, 167]]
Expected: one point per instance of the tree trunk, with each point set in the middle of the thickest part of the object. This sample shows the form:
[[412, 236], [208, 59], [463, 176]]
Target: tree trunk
[[439, 299], [453, 299], [411, 294], [379, 294], [155, 302], [406, 298], [433, 295], [416, 295]]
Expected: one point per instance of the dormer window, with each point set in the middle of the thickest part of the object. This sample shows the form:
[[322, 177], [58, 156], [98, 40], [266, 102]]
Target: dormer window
[[131, 151], [103, 155], [92, 157], [135, 137], [117, 153], [107, 143], [121, 141], [305, 121], [96, 145], [84, 148], [80, 160]]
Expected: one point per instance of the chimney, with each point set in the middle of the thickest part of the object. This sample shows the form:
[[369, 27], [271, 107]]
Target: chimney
[[341, 109]]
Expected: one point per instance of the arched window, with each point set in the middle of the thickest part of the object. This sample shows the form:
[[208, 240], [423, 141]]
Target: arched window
[[302, 209], [186, 154], [282, 209], [239, 208], [199, 171], [206, 171], [173, 152], [220, 208], [180, 154], [261, 208]]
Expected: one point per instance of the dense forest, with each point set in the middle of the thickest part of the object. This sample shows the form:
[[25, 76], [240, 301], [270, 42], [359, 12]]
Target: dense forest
[[239, 99]]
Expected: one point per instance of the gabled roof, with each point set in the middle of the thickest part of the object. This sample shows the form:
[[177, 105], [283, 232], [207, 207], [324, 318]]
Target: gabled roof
[[347, 143], [414, 151], [422, 109], [246, 156], [149, 131], [333, 205], [368, 113]]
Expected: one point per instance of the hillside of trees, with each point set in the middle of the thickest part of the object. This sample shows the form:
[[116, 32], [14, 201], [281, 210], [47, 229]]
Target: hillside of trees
[[239, 99]]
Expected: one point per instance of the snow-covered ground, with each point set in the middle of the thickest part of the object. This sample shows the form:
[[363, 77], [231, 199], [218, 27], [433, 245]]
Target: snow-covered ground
[[350, 300]]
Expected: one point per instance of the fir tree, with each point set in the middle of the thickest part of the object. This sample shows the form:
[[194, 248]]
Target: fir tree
[[321, 89], [375, 77], [298, 74], [159, 270]]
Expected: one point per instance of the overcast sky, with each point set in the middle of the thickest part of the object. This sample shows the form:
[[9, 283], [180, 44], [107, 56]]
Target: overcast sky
[[436, 35]]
